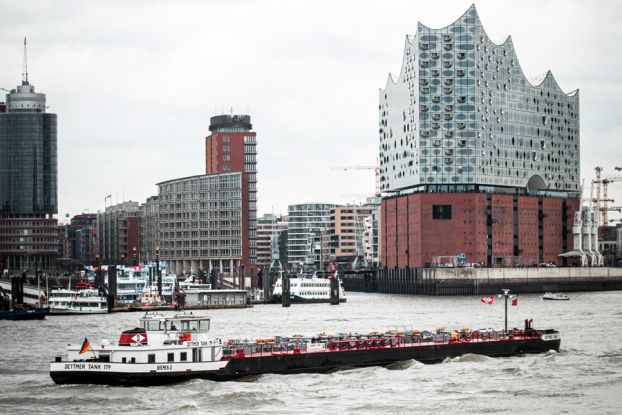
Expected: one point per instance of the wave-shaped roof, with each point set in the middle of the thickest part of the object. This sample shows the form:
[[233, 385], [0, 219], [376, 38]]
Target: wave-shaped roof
[[471, 17]]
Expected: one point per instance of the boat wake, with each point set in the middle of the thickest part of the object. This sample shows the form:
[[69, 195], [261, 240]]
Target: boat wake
[[407, 364], [468, 358]]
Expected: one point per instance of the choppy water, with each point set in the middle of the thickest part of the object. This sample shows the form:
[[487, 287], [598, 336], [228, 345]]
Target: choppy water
[[584, 377]]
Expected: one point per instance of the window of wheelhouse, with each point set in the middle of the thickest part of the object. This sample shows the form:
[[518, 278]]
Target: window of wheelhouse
[[173, 325], [152, 325], [194, 325]]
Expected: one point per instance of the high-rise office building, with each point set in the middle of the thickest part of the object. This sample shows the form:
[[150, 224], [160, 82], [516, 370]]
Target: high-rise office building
[[28, 181], [232, 147], [472, 150]]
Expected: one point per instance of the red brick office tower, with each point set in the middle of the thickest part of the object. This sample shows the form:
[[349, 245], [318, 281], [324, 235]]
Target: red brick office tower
[[232, 147]]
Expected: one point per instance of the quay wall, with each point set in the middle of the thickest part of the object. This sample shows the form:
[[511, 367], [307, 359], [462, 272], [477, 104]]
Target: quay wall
[[475, 281]]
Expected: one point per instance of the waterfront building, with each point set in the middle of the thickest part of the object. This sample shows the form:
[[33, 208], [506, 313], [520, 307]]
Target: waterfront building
[[80, 239], [29, 237], [269, 227], [201, 223], [118, 234], [232, 147], [149, 229], [472, 150], [371, 239], [306, 224], [347, 228]]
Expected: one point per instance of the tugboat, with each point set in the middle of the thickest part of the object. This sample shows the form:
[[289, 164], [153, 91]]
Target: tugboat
[[165, 350]]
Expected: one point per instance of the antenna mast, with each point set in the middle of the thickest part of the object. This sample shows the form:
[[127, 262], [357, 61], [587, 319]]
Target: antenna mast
[[25, 70]]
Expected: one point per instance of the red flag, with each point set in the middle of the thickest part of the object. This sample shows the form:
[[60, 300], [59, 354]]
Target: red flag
[[514, 302], [86, 345], [488, 300]]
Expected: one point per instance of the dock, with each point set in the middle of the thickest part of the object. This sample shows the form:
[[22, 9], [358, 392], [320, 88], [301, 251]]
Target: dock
[[475, 281]]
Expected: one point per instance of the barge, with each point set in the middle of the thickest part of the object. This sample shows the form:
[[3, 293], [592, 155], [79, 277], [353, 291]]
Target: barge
[[166, 350]]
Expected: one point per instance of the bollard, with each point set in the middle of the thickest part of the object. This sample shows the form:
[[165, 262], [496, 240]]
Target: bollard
[[334, 291], [214, 277], [285, 300], [112, 286]]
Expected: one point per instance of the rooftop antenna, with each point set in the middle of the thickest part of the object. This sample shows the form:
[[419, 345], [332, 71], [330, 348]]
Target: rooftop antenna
[[25, 70]]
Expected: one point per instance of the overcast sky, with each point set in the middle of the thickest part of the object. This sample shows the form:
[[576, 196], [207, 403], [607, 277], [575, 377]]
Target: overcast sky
[[135, 83]]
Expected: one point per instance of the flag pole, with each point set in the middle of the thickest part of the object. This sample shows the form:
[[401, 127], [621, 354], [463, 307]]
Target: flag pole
[[92, 351]]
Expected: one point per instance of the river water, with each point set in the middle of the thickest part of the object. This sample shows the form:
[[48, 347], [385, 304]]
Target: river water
[[584, 377]]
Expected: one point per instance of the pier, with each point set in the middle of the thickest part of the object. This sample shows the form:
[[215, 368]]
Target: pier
[[475, 281]]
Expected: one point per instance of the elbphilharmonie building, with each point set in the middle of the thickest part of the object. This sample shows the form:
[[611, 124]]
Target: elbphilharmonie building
[[472, 148]]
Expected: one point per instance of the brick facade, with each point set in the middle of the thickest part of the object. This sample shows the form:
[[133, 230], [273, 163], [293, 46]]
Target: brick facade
[[493, 229]]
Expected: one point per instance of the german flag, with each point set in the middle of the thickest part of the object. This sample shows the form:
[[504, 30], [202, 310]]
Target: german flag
[[86, 345]]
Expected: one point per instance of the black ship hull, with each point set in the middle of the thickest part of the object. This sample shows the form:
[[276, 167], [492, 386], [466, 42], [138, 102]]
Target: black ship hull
[[24, 314], [241, 367], [296, 299]]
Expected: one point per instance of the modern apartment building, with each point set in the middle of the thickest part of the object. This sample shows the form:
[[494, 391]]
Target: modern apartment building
[[149, 229], [29, 238], [80, 238], [306, 225], [472, 150], [201, 224], [271, 227], [118, 234], [347, 233]]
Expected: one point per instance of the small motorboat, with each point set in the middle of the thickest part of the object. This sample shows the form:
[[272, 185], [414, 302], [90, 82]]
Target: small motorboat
[[555, 296]]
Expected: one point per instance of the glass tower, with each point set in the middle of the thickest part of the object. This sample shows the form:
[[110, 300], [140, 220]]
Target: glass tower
[[28, 182], [462, 116]]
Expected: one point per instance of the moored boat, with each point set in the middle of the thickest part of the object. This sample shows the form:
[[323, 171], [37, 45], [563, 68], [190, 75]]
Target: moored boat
[[85, 301], [555, 296], [173, 349], [307, 289], [24, 313]]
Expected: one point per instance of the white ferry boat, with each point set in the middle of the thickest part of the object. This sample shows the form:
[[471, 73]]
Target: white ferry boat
[[88, 301], [307, 289]]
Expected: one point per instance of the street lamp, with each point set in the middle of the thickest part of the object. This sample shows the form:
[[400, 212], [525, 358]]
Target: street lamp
[[506, 294]]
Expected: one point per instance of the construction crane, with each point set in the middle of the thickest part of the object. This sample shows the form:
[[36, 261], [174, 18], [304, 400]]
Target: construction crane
[[596, 200], [601, 204], [376, 169]]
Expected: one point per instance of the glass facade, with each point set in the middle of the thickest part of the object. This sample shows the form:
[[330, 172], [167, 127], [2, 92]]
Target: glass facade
[[305, 222], [462, 114], [28, 163]]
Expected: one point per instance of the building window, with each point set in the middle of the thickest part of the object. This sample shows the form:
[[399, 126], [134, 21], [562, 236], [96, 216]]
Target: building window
[[150, 358], [171, 357], [183, 356], [442, 212]]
